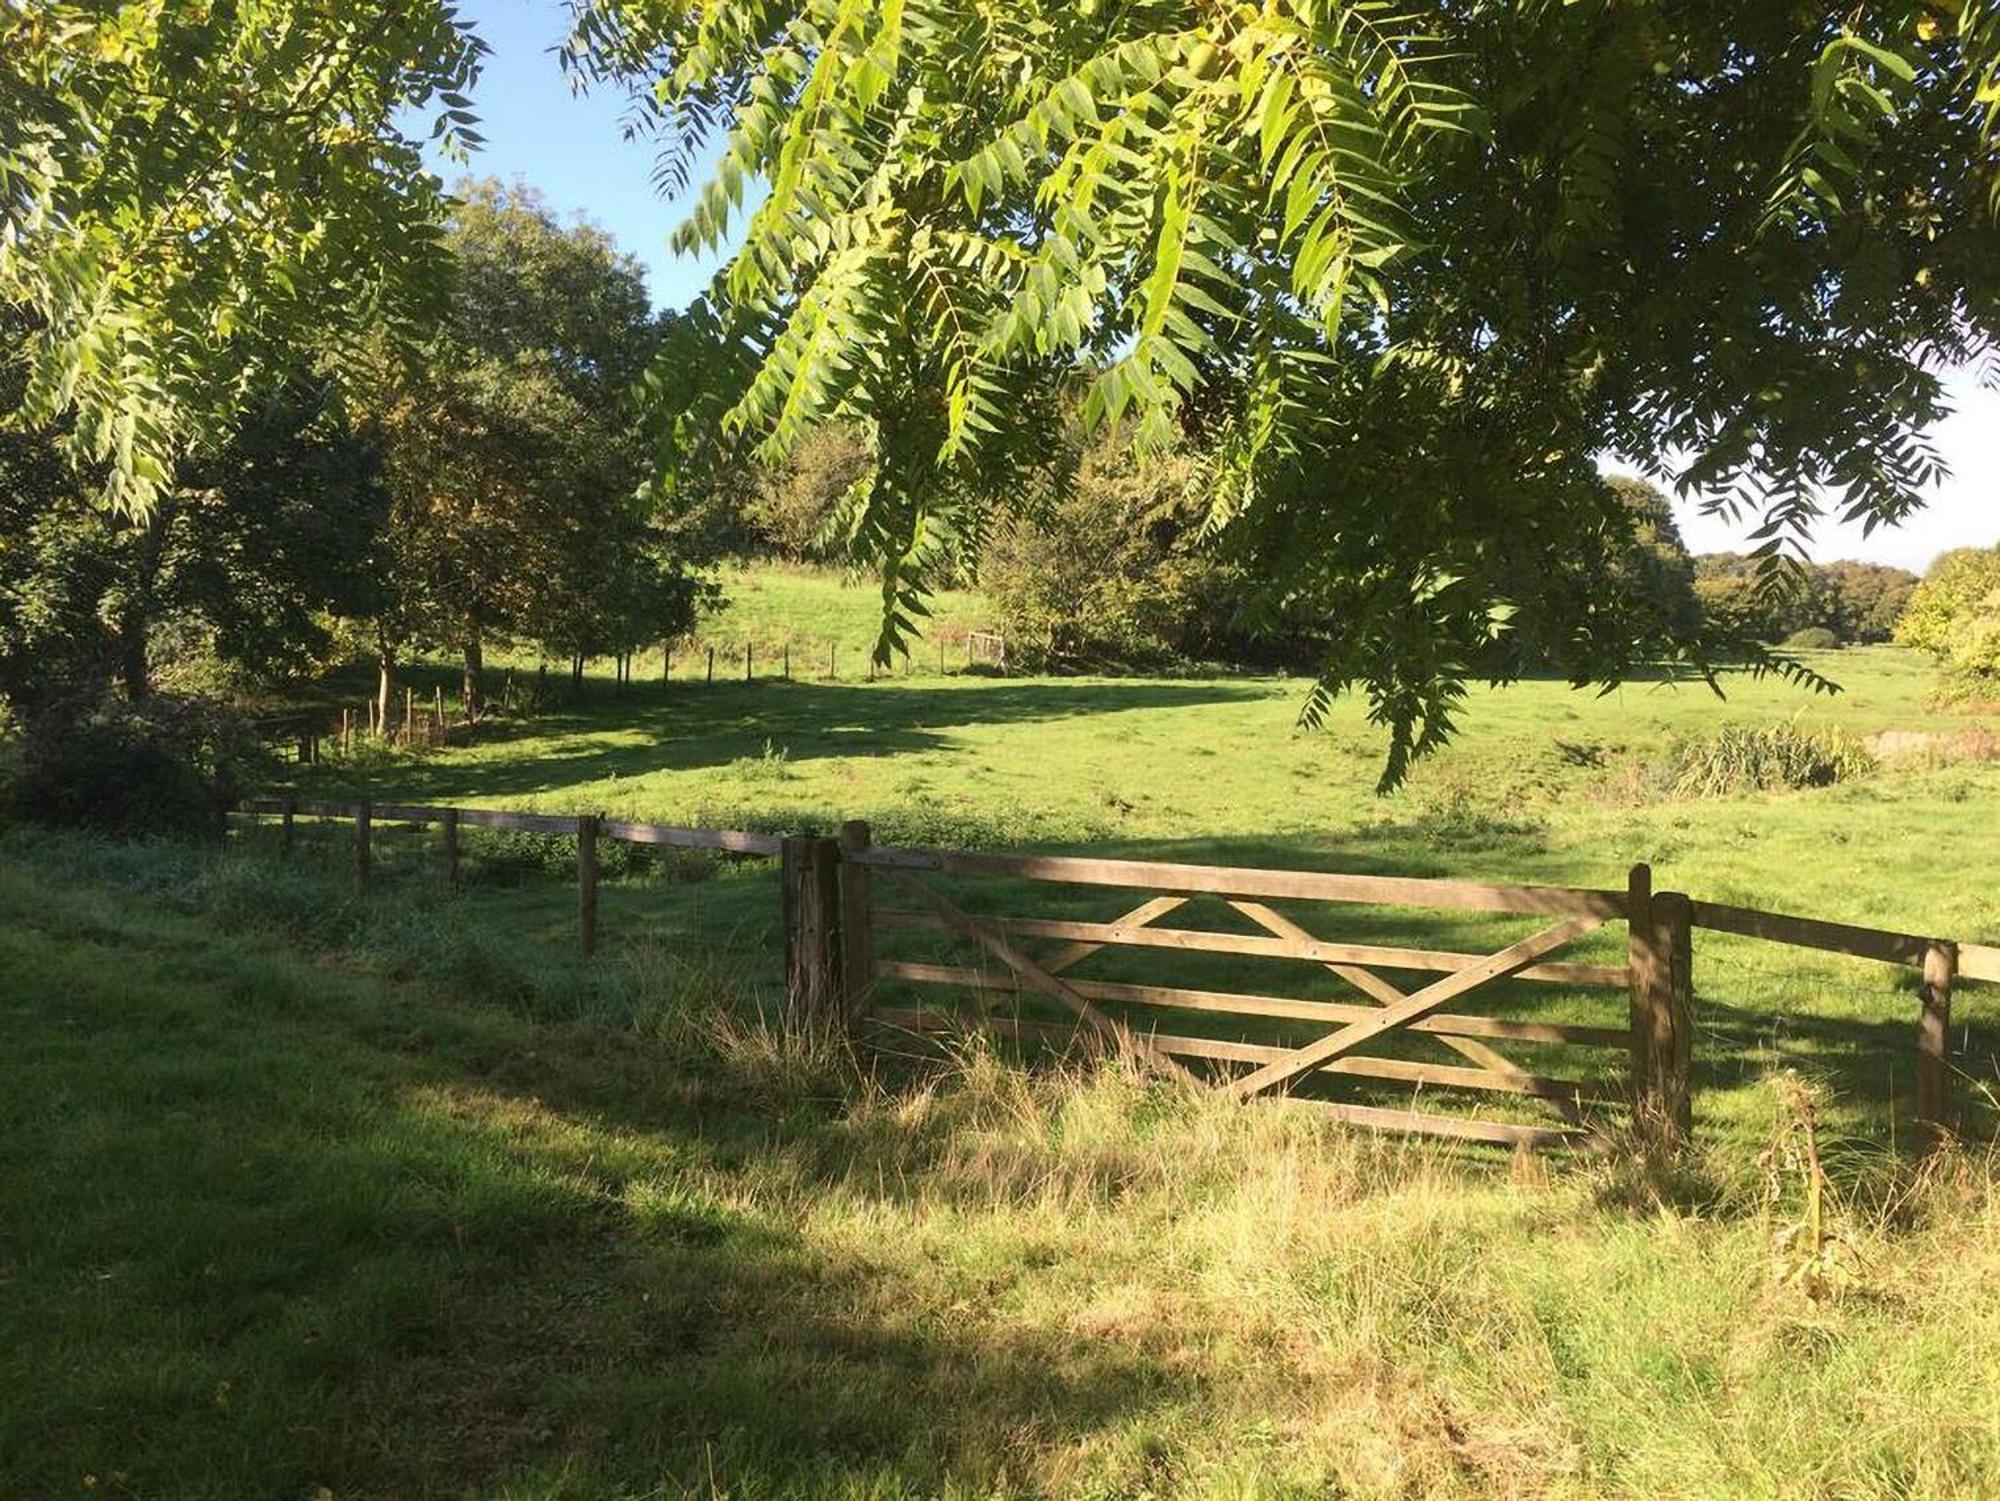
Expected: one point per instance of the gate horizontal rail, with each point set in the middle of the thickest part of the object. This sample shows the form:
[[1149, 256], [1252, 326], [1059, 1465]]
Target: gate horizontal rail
[[1219, 880], [1240, 1003], [1200, 940]]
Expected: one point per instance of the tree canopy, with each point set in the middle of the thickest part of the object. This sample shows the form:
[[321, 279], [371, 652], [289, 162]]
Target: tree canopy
[[189, 192], [1855, 603], [1400, 271], [1955, 615], [515, 451], [1392, 274]]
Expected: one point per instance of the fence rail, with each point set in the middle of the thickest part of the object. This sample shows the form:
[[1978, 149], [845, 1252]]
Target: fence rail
[[834, 976], [1215, 880]]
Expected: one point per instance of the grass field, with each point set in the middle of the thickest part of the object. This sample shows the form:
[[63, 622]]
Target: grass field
[[304, 1193], [822, 621], [1545, 784], [769, 605]]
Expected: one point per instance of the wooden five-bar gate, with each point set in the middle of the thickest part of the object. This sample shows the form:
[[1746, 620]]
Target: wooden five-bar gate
[[1437, 1034], [1461, 1026]]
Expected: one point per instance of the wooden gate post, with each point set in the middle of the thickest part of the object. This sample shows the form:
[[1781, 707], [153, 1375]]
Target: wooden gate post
[[811, 873], [1934, 1040], [363, 855], [1673, 922], [857, 917], [586, 882], [1660, 955], [448, 828], [1643, 962]]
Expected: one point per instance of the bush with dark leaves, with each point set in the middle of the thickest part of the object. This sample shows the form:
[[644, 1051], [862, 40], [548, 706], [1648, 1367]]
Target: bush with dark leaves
[[162, 765]]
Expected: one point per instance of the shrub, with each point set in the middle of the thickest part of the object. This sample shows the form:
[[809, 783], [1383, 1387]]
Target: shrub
[[1758, 758], [795, 500], [161, 766], [1813, 638], [1955, 616], [1115, 572]]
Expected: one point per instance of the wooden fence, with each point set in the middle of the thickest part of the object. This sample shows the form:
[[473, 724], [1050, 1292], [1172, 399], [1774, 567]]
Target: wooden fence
[[425, 722], [1012, 965], [704, 659]]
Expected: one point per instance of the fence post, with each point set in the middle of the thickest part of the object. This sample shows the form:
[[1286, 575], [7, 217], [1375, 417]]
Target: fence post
[[363, 818], [667, 662], [811, 871], [1673, 922], [1643, 962], [788, 659], [291, 811], [448, 828], [831, 676], [586, 882], [1659, 954], [711, 664], [746, 661], [857, 932], [1934, 1040]]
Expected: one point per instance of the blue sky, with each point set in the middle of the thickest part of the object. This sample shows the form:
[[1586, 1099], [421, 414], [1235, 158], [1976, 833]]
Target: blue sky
[[570, 148], [538, 130]]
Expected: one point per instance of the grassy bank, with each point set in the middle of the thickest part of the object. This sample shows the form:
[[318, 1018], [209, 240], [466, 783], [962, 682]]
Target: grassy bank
[[288, 1207]]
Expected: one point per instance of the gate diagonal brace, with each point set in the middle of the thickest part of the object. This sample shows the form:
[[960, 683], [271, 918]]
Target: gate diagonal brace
[[1035, 977], [1072, 954], [1413, 1007], [1378, 989]]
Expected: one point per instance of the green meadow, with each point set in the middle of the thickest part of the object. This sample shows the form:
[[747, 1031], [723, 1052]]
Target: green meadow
[[1545, 784]]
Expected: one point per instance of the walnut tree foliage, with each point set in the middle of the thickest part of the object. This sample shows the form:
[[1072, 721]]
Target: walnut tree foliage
[[1398, 271], [191, 190]]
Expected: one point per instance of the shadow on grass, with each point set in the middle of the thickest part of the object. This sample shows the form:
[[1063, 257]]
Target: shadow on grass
[[689, 726], [266, 1228]]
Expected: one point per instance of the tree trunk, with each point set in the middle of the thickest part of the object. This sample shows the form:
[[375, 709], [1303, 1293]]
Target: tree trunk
[[385, 685], [135, 621], [472, 682], [576, 670], [133, 669]]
